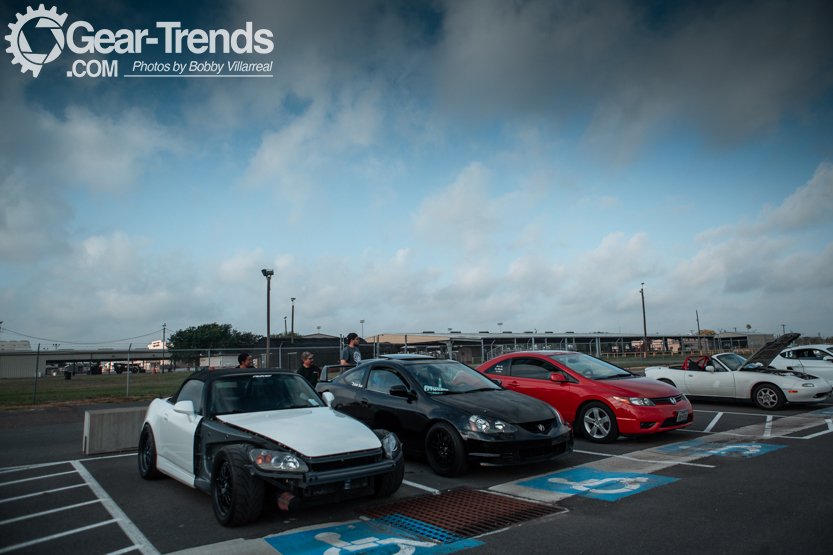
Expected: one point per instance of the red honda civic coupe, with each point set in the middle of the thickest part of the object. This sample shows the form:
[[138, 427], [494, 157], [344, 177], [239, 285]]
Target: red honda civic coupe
[[599, 399]]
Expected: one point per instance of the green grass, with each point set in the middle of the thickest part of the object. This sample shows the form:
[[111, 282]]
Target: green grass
[[93, 389]]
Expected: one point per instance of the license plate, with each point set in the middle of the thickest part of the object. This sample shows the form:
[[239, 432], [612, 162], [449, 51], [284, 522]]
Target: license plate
[[682, 416]]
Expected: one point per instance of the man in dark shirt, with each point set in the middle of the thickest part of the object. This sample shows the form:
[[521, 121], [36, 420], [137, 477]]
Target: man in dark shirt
[[309, 370], [351, 354], [245, 361]]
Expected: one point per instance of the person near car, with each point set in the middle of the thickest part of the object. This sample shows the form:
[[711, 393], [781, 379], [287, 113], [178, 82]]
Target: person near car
[[350, 354], [308, 369], [245, 361]]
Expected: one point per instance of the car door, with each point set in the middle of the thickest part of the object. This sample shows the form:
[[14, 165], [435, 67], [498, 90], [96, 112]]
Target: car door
[[812, 362], [531, 376], [348, 391], [175, 436], [379, 409], [720, 383]]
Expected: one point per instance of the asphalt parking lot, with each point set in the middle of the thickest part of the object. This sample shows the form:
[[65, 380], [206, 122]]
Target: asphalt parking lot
[[739, 480]]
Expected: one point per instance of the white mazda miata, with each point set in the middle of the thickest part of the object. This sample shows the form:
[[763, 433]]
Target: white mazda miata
[[243, 434], [729, 375]]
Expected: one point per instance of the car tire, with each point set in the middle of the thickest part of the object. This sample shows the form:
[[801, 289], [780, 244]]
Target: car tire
[[597, 423], [445, 451], [388, 484], [237, 496], [666, 380], [147, 455], [768, 397]]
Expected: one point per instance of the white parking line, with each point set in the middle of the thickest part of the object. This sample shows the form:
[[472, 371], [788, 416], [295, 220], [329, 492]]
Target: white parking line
[[48, 512], [768, 426], [125, 550], [125, 523], [713, 422], [53, 537], [420, 486], [641, 460], [42, 493], [36, 478], [42, 465], [821, 433]]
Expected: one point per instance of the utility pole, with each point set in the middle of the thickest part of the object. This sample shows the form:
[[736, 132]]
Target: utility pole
[[162, 366], [644, 326], [268, 275], [292, 337]]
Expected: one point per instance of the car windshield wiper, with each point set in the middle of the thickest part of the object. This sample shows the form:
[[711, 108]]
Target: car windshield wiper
[[482, 389]]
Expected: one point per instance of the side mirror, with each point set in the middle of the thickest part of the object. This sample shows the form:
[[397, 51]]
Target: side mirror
[[328, 398], [709, 368], [497, 381], [558, 377], [401, 391], [185, 407]]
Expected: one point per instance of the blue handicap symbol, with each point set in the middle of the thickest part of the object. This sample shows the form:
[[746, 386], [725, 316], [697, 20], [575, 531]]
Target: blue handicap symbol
[[823, 412], [598, 484], [705, 447], [367, 538]]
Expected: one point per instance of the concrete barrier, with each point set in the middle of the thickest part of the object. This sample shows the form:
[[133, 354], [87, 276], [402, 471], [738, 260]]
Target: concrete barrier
[[110, 430]]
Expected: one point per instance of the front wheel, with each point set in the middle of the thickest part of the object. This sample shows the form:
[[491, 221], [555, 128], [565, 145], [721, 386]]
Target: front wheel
[[147, 455], [236, 495], [445, 451], [768, 396], [598, 424], [388, 484]]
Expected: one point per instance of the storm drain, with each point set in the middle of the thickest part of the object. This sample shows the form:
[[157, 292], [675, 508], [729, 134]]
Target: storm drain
[[457, 514]]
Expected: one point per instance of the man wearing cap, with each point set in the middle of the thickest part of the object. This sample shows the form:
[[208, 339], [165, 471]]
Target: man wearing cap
[[350, 354], [308, 370]]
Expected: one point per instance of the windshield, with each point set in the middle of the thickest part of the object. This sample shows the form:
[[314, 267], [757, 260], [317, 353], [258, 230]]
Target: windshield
[[589, 367], [258, 393], [731, 361], [444, 377]]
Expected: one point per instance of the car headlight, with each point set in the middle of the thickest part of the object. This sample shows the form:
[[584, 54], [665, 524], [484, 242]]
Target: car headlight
[[391, 446], [276, 461], [638, 401], [808, 385], [490, 425]]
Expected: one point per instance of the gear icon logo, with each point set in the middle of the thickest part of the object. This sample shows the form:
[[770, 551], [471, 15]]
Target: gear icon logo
[[19, 46]]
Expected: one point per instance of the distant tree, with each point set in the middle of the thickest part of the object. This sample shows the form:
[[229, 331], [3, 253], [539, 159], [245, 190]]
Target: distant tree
[[707, 332], [208, 336], [286, 335], [748, 327]]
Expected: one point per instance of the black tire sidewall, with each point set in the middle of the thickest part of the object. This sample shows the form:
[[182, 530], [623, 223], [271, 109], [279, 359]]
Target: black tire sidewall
[[150, 472], [778, 392], [614, 427], [459, 465], [247, 491]]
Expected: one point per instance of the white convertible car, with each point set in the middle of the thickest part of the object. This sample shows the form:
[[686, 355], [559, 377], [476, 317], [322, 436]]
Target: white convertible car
[[244, 434], [729, 375]]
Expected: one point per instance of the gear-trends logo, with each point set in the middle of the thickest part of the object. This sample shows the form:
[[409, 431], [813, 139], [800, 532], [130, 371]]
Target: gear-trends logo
[[19, 46]]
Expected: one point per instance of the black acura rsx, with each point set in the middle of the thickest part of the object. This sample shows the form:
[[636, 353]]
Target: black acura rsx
[[448, 412]]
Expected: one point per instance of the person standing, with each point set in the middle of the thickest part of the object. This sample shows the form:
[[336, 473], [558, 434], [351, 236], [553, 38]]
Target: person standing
[[245, 361], [350, 354], [308, 369]]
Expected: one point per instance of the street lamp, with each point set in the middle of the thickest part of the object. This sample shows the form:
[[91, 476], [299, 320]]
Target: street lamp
[[319, 329], [268, 275], [292, 337], [783, 328], [644, 327], [362, 323], [500, 327], [285, 329]]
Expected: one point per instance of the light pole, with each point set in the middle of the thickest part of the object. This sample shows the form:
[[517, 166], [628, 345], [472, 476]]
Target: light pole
[[162, 367], [783, 328], [644, 327], [500, 327], [362, 323], [268, 275], [319, 329], [285, 329], [292, 337]]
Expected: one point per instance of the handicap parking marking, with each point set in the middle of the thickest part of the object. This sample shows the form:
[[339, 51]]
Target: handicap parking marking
[[823, 412], [369, 537], [597, 484], [722, 449]]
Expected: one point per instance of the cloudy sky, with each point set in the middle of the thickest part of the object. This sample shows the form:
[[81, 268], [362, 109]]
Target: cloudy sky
[[425, 166]]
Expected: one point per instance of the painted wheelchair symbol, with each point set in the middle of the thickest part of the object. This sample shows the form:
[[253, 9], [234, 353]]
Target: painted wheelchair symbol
[[628, 484], [406, 547]]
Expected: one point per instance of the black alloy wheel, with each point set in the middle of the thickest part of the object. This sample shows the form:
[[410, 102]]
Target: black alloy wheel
[[147, 455], [445, 451], [236, 495]]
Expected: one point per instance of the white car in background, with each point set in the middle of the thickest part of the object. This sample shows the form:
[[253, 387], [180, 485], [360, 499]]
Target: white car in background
[[810, 359], [730, 376]]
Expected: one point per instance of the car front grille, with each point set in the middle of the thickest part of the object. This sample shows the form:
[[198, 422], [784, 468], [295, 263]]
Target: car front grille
[[346, 461], [533, 427], [668, 400], [545, 451]]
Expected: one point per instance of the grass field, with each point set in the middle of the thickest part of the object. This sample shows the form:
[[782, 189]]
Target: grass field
[[93, 389]]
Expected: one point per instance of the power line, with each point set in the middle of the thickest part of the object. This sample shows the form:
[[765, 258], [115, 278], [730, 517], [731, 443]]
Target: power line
[[5, 329]]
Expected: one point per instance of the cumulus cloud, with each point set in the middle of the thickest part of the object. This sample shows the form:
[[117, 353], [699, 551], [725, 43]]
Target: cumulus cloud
[[810, 205]]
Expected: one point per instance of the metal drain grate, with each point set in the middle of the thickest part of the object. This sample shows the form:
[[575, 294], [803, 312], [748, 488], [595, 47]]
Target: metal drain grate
[[463, 513]]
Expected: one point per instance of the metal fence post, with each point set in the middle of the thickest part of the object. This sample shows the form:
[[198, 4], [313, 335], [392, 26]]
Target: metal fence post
[[37, 364], [128, 369]]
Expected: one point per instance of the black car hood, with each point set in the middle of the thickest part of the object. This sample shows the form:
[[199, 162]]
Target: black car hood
[[502, 404], [768, 352]]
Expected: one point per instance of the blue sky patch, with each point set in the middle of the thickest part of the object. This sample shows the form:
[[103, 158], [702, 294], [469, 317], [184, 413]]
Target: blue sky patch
[[362, 538], [598, 484], [745, 450]]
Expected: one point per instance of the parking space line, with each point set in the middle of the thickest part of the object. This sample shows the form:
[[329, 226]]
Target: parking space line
[[420, 486], [821, 433], [48, 512], [42, 493], [125, 550], [743, 413], [768, 426], [36, 478], [640, 460], [42, 465], [54, 537], [713, 422], [125, 523]]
